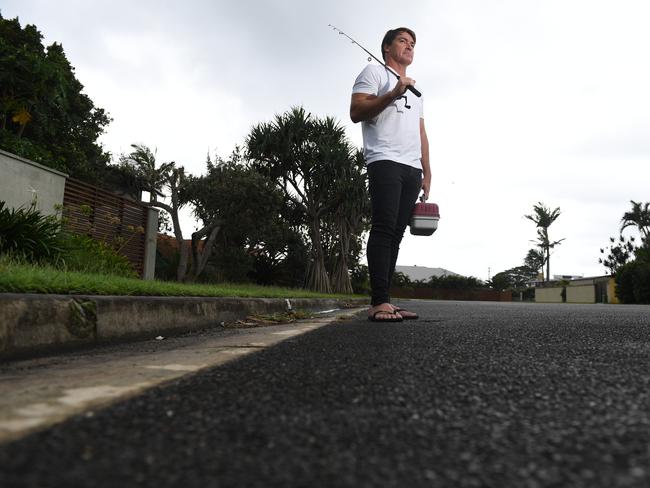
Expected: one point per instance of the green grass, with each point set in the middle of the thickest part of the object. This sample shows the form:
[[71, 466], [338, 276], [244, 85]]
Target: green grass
[[26, 278]]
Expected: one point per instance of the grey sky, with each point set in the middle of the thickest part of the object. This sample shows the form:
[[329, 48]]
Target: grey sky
[[525, 100]]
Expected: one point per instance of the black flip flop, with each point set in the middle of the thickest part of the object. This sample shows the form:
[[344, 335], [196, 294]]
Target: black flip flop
[[406, 317], [394, 318]]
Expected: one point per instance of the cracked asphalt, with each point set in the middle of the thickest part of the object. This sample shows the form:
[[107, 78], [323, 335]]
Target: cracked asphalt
[[473, 394]]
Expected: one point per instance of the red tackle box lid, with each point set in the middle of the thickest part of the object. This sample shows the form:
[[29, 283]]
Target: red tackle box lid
[[426, 210]]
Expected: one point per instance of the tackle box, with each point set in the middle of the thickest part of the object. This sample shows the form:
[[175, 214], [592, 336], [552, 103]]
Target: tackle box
[[424, 220]]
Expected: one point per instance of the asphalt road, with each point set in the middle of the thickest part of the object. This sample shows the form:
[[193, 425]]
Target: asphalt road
[[472, 394]]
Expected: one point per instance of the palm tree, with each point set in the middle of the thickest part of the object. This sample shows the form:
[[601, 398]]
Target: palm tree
[[141, 163], [639, 217], [543, 217]]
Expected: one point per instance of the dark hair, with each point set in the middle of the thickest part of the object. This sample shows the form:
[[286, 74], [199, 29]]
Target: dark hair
[[390, 37]]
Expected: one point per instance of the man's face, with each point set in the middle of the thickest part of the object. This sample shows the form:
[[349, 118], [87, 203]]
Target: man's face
[[401, 49]]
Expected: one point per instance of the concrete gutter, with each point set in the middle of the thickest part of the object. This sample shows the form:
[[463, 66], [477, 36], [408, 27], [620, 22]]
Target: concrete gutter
[[31, 324]]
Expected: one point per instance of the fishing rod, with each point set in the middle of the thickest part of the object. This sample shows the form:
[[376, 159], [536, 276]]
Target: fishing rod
[[415, 91]]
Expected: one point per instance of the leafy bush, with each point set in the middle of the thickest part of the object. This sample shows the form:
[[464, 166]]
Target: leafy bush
[[82, 253], [633, 282], [455, 282], [166, 263], [23, 147], [360, 279], [28, 234]]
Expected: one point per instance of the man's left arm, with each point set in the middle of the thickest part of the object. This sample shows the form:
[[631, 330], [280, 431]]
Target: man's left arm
[[426, 169]]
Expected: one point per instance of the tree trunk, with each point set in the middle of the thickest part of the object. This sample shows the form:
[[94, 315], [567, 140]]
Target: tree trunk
[[341, 282], [340, 277], [184, 249], [200, 257], [21, 130], [317, 279]]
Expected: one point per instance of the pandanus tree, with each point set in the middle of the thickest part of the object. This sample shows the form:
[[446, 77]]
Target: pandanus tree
[[348, 221], [305, 157], [543, 217]]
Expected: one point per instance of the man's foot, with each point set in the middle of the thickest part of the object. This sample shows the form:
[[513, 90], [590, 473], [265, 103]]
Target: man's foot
[[383, 313], [385, 316], [405, 314]]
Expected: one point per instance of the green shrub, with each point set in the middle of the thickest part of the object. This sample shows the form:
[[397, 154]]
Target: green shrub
[[360, 279], [633, 282], [27, 233], [23, 147], [166, 264], [454, 282], [82, 253]]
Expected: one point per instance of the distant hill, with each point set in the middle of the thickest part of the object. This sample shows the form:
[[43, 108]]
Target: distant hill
[[416, 273]]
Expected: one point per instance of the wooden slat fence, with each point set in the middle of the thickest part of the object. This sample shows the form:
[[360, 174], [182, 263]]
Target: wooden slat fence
[[108, 217]]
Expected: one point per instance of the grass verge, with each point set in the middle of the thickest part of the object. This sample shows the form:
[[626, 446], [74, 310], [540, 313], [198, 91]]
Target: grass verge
[[26, 278]]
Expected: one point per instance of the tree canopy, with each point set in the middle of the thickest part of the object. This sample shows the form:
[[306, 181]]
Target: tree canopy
[[516, 278], [246, 210], [630, 262], [44, 114]]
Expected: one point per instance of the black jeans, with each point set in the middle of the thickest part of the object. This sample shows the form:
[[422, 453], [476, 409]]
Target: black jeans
[[394, 189]]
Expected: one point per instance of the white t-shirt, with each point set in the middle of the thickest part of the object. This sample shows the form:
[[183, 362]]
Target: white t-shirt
[[394, 134]]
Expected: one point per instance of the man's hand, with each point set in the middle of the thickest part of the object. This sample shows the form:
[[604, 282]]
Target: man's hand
[[364, 106], [402, 85], [426, 168], [426, 186]]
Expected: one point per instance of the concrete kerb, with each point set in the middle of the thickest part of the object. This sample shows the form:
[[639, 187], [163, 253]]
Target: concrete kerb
[[32, 324]]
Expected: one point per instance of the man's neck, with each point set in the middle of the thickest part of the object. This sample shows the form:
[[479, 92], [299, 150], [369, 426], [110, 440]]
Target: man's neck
[[398, 68]]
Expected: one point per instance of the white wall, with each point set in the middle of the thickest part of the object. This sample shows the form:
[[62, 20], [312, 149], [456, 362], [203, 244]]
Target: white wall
[[22, 180], [581, 294], [548, 295]]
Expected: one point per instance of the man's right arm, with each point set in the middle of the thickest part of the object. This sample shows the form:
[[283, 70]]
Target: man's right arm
[[364, 106]]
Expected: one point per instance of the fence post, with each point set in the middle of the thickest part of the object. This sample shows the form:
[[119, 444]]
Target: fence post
[[150, 241]]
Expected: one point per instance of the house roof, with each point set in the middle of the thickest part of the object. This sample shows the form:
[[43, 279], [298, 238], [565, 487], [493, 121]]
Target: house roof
[[417, 273]]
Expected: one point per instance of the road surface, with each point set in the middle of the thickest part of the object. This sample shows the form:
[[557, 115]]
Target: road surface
[[473, 394]]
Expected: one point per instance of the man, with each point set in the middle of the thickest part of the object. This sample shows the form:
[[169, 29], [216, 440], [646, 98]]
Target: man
[[397, 154]]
